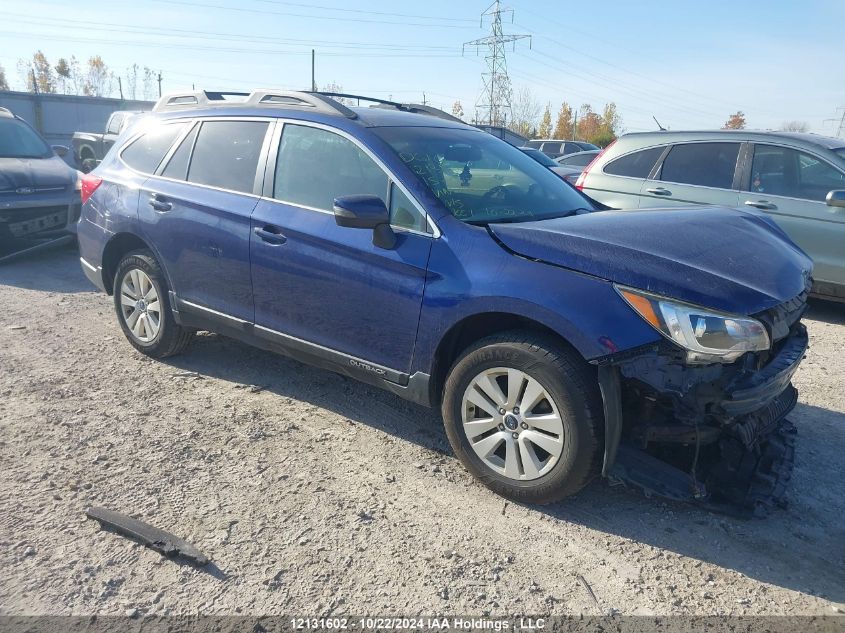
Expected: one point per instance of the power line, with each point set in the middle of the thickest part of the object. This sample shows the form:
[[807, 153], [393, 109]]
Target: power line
[[204, 5], [362, 11], [496, 96], [165, 44], [216, 35]]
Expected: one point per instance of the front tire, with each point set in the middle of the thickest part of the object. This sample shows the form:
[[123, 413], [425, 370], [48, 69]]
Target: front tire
[[142, 304], [524, 416]]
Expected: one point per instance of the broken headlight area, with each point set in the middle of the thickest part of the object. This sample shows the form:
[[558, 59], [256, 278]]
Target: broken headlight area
[[715, 434], [708, 336]]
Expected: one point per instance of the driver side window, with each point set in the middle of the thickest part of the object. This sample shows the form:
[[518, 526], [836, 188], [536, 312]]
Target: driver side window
[[316, 166]]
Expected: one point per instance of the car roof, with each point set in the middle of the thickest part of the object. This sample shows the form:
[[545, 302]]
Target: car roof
[[827, 142], [586, 151]]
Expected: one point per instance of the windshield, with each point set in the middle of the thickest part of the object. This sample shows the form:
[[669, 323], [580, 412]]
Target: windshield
[[480, 178], [18, 140], [540, 157]]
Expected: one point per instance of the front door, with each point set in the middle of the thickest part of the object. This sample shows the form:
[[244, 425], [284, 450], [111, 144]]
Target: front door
[[197, 210], [694, 173], [327, 287], [791, 185]]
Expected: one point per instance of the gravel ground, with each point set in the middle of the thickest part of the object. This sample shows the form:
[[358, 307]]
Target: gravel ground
[[314, 494]]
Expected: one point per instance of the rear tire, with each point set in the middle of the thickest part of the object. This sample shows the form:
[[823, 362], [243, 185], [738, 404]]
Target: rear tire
[[142, 304], [88, 165], [542, 451]]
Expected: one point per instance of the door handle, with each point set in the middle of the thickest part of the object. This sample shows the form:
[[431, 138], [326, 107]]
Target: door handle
[[659, 191], [157, 203], [760, 204], [270, 234]]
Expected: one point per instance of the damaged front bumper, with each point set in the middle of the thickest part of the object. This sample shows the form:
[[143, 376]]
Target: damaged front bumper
[[702, 432]]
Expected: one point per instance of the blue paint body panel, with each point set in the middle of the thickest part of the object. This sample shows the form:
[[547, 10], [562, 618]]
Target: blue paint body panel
[[333, 289]]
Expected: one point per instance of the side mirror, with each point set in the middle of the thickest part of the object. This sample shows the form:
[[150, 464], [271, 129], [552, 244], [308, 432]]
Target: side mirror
[[364, 211], [60, 150], [836, 199]]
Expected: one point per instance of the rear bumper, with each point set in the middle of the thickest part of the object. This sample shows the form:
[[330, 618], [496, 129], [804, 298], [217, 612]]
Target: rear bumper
[[94, 274]]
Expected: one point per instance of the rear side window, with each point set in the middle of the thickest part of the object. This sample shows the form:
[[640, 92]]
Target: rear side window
[[634, 165], [316, 166], [145, 153], [177, 166], [581, 160], [571, 148], [552, 147], [226, 154], [114, 124], [534, 144], [704, 164]]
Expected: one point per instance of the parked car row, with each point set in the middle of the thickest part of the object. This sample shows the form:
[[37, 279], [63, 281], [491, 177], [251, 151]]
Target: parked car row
[[38, 190], [554, 148], [434, 260], [798, 180], [89, 148]]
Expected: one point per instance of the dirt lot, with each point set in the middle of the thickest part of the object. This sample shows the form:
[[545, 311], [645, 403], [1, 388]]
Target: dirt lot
[[318, 495]]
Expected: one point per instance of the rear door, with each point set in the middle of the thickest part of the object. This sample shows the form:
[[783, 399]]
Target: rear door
[[618, 183], [694, 173], [196, 210], [327, 289], [791, 185]]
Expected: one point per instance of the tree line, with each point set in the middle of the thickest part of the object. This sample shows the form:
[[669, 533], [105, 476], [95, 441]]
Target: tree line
[[530, 119], [92, 78]]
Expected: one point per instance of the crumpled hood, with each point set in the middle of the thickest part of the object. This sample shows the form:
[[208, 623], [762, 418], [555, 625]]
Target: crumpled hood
[[721, 258], [34, 173]]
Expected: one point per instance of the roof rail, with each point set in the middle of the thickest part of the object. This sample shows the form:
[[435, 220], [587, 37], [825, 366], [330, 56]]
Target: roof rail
[[326, 102], [286, 98], [406, 107]]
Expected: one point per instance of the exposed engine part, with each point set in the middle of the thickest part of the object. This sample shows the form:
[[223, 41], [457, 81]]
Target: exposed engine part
[[755, 479]]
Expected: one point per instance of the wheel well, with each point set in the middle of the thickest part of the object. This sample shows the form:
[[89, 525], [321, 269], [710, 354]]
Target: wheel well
[[472, 329], [116, 248]]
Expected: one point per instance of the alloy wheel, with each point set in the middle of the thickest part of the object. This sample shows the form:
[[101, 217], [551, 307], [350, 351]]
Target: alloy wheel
[[512, 423], [139, 305]]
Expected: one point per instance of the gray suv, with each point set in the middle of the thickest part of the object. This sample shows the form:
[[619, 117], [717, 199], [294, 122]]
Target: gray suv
[[798, 179]]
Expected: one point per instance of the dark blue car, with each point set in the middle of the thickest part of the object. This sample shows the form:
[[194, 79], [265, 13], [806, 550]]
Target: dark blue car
[[401, 247]]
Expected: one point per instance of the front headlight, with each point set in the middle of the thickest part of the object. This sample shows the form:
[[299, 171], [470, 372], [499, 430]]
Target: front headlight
[[707, 335]]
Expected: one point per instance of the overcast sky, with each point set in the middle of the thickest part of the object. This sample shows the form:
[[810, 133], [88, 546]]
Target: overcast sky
[[690, 64]]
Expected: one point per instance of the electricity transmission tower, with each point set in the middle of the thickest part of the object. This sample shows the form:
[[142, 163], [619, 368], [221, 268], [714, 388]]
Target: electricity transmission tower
[[840, 133], [496, 96]]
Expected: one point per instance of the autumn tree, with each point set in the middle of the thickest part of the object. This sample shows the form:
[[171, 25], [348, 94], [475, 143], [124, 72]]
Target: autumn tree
[[589, 123], [795, 126], [150, 90], [563, 126], [132, 81], [526, 111], [99, 80], [545, 130], [458, 110], [736, 121], [63, 79], [4, 85], [37, 74]]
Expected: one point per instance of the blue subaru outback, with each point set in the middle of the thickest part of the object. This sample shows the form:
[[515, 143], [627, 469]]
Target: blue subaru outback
[[397, 245]]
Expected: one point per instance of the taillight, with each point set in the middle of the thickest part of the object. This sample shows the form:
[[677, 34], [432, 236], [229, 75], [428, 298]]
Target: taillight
[[579, 184], [90, 182]]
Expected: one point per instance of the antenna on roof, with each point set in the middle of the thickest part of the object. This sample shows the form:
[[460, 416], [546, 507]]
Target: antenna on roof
[[662, 129]]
